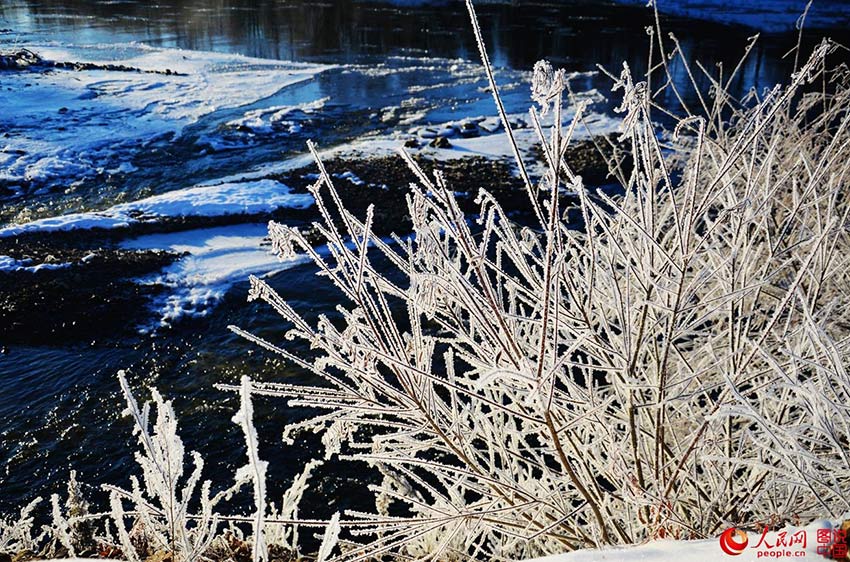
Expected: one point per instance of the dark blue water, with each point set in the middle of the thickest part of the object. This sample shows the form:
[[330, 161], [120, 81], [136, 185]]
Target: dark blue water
[[59, 403]]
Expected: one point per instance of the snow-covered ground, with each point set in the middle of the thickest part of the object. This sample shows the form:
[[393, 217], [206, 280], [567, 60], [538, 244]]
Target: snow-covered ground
[[231, 198], [10, 264]]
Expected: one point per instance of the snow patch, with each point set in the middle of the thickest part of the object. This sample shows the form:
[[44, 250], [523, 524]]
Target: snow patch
[[10, 264], [217, 258], [72, 221], [253, 197], [351, 177], [261, 196], [758, 547]]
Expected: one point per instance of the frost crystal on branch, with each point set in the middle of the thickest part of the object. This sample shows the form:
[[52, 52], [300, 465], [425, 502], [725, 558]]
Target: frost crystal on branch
[[675, 366], [255, 470], [546, 85]]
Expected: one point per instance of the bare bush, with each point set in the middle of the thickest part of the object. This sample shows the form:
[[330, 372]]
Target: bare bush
[[675, 364]]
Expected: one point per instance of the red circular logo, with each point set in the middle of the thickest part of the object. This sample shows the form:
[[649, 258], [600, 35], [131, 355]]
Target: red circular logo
[[733, 541]]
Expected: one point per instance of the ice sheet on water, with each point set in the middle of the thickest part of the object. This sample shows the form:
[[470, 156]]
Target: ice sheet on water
[[89, 121], [270, 119]]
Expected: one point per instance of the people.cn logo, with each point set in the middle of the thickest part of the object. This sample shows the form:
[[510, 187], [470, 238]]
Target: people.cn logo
[[733, 541]]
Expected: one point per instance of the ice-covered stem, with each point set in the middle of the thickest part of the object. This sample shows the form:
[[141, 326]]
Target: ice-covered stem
[[17, 535], [61, 527], [79, 519], [161, 501], [118, 516], [525, 391], [329, 539], [497, 99], [255, 470], [162, 457]]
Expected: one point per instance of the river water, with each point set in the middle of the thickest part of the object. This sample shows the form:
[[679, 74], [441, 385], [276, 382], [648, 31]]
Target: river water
[[59, 404]]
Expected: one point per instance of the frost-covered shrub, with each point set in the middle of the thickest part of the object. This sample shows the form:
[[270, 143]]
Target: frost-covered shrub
[[674, 364], [171, 516], [162, 521], [18, 534]]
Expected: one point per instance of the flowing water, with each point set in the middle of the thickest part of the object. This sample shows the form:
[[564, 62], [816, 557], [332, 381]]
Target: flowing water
[[59, 402]]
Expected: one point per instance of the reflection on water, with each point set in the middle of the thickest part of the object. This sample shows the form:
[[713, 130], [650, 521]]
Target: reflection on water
[[575, 34]]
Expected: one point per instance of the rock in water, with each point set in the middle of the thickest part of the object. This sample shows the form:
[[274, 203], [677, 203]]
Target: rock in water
[[440, 142], [19, 60]]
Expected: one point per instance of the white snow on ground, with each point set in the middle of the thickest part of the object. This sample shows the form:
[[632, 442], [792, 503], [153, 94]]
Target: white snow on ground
[[776, 544], [8, 263], [216, 259], [85, 120], [222, 199], [212, 200], [73, 221], [656, 551]]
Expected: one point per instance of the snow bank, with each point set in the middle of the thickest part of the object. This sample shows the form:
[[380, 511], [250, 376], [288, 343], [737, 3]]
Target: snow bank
[[260, 196], [93, 121], [216, 259]]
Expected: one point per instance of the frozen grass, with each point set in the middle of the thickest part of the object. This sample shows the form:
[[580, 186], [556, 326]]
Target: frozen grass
[[673, 365]]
